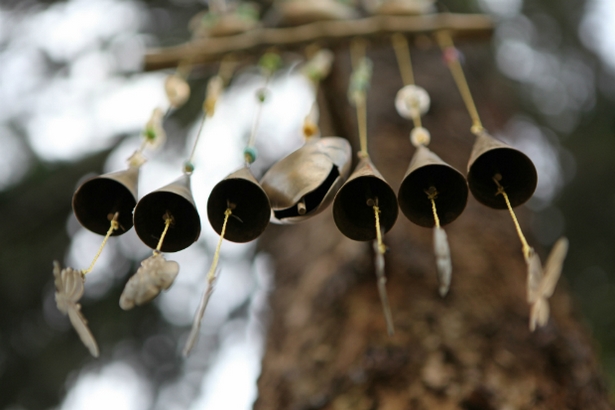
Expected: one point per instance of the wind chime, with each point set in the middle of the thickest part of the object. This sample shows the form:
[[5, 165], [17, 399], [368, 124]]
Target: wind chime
[[238, 208], [301, 185], [104, 205], [502, 177], [167, 220], [433, 193], [366, 207]]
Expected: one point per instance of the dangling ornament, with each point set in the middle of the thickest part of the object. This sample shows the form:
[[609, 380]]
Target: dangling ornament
[[238, 209], [433, 193], [502, 177], [304, 183], [167, 219], [103, 205], [365, 207]]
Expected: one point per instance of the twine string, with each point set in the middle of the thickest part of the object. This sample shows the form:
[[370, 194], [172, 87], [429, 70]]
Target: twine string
[[211, 278], [526, 249], [114, 225], [451, 56], [404, 62], [380, 249]]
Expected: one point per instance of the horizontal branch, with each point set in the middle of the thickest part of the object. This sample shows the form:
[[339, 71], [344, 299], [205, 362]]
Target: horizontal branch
[[203, 50]]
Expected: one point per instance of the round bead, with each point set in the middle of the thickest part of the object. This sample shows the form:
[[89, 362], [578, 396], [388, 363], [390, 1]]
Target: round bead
[[412, 101], [250, 154], [261, 94], [420, 136], [188, 167]]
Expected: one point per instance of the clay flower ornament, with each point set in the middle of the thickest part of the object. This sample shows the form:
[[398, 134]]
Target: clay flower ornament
[[69, 289], [154, 275]]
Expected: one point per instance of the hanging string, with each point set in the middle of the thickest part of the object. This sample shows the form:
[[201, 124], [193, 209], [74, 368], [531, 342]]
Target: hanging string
[[432, 194], [380, 249], [211, 278], [215, 86], [451, 56], [526, 249], [404, 62], [402, 53], [114, 225], [269, 63], [315, 69], [168, 220], [357, 91]]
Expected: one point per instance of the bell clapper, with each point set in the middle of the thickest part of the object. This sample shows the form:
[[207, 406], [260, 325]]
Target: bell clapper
[[168, 221], [301, 208], [380, 249], [211, 279], [441, 248]]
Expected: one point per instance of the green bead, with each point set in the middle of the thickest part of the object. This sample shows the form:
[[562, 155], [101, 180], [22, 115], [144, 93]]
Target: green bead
[[261, 94], [150, 134], [270, 62], [250, 154], [188, 167]]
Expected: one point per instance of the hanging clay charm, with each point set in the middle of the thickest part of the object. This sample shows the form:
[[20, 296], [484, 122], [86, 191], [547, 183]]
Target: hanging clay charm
[[69, 290], [154, 275]]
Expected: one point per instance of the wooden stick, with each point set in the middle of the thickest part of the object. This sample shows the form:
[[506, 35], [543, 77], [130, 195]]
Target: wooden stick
[[203, 50]]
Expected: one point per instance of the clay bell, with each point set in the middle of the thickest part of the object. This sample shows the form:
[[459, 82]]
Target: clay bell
[[305, 182], [175, 200], [426, 173], [353, 205], [249, 203], [98, 199], [515, 172]]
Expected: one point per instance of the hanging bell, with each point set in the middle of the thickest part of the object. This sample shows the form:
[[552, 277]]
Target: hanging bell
[[176, 201], [249, 203], [426, 173], [98, 199], [353, 205], [304, 183], [515, 172]]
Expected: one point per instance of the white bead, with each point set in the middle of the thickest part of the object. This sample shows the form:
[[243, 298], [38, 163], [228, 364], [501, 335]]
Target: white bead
[[420, 136], [412, 101]]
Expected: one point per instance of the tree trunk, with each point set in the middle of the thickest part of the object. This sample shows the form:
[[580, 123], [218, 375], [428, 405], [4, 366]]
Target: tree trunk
[[327, 343]]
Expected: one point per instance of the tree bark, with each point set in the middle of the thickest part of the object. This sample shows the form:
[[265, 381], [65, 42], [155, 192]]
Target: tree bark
[[327, 344]]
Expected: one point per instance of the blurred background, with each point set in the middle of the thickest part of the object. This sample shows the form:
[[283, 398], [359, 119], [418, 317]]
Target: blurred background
[[73, 103]]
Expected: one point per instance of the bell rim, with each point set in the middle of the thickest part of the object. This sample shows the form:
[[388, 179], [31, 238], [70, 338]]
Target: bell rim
[[82, 196], [420, 203], [185, 214], [216, 208], [512, 179], [368, 231]]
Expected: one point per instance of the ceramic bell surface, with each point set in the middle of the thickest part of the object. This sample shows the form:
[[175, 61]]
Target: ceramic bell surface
[[98, 199], [515, 172], [175, 200], [425, 173], [353, 204], [305, 182], [249, 203]]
